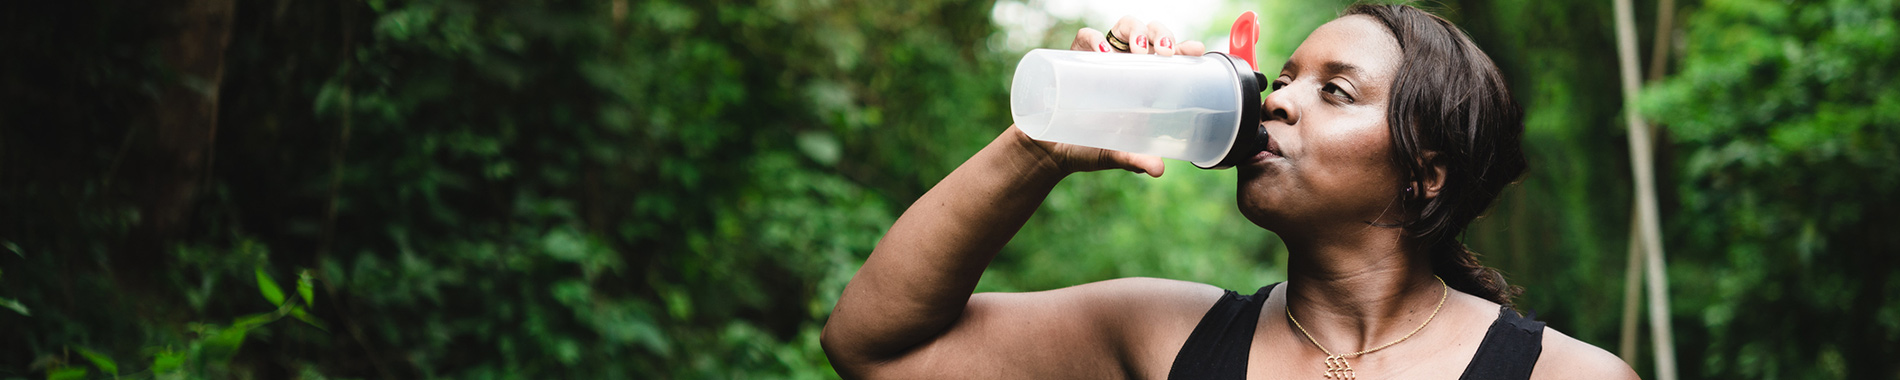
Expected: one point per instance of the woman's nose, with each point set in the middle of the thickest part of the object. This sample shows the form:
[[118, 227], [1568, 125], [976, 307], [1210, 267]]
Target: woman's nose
[[1280, 106]]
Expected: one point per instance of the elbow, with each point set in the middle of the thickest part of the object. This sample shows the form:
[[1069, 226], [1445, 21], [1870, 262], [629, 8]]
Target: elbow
[[853, 356], [829, 341]]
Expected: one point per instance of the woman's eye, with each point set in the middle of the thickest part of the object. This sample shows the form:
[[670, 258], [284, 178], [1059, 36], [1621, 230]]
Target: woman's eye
[[1334, 90], [1278, 84]]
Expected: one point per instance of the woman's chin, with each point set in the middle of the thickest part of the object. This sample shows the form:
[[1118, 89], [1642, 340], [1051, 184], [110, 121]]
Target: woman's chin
[[1254, 207], [1259, 195]]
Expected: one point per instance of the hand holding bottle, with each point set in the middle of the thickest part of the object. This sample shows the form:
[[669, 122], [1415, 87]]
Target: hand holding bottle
[[1132, 36]]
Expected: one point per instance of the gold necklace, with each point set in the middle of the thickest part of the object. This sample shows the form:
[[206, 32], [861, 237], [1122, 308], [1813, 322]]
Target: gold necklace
[[1336, 365]]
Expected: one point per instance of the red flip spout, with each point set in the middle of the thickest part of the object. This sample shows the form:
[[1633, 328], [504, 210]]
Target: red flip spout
[[1241, 38]]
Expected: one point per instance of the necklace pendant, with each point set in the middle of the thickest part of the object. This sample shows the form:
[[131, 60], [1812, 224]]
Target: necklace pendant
[[1338, 369]]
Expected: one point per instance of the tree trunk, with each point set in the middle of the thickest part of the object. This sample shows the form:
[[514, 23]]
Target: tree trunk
[[185, 112]]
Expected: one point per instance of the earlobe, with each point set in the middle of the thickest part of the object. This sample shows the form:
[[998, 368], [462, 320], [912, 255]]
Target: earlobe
[[1433, 179]]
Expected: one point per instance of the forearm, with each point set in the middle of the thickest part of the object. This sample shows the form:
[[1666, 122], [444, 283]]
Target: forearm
[[918, 280]]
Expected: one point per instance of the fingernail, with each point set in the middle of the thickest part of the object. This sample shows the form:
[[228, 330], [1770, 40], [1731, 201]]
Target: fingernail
[[1167, 42], [1141, 41], [1101, 46]]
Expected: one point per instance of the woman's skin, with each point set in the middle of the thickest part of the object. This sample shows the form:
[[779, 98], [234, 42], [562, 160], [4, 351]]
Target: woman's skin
[[909, 312]]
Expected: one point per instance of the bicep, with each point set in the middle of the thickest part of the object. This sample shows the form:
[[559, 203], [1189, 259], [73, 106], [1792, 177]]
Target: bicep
[[1084, 331]]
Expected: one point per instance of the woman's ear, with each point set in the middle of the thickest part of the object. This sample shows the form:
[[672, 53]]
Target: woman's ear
[[1433, 179]]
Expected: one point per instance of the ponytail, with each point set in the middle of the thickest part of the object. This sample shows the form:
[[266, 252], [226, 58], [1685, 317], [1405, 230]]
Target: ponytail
[[1460, 269], [1449, 102]]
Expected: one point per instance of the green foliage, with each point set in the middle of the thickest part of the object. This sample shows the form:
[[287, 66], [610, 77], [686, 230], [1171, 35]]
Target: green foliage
[[681, 189], [105, 364], [1168, 224], [1561, 232], [1789, 117], [268, 287], [539, 189], [9, 303], [167, 362], [16, 306], [305, 290], [68, 373]]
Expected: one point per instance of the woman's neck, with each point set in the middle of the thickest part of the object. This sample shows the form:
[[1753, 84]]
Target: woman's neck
[[1360, 292]]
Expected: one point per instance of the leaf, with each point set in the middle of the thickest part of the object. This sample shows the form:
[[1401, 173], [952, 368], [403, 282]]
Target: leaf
[[304, 289], [12, 247], [679, 304], [15, 305], [250, 321], [565, 245], [167, 361], [821, 147], [299, 314], [104, 363], [330, 96], [269, 288], [68, 373], [224, 343]]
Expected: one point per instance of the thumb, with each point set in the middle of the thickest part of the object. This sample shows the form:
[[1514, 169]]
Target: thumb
[[1139, 163]]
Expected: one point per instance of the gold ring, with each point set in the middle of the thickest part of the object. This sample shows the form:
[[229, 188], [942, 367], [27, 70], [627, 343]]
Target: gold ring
[[1117, 43]]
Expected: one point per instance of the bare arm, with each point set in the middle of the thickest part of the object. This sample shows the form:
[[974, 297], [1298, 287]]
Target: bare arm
[[909, 310], [925, 267], [916, 286]]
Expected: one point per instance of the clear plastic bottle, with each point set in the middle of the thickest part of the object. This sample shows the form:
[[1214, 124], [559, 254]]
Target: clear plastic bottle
[[1204, 110]]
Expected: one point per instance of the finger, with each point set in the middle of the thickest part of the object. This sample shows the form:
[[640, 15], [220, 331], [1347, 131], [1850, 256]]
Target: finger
[[1139, 163], [1131, 30], [1191, 48], [1089, 39], [1161, 39]]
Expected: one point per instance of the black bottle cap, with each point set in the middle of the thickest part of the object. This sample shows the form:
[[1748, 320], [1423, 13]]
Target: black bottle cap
[[1249, 137]]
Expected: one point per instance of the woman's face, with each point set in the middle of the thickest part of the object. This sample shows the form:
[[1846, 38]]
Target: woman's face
[[1327, 163]]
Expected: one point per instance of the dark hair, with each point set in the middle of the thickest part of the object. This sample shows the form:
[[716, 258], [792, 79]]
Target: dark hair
[[1450, 99]]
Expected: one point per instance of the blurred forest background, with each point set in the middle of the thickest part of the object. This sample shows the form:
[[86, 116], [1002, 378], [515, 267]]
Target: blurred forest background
[[679, 189]]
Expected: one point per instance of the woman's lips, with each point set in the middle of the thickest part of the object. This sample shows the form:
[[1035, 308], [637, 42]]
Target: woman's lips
[[1262, 157], [1272, 151]]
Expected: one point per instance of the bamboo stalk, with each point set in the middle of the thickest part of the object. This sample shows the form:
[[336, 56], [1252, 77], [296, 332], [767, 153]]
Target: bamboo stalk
[[1632, 297], [1642, 162], [1631, 276], [1659, 48], [1632, 280]]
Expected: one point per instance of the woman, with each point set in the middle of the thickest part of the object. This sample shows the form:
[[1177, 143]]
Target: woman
[[1390, 131]]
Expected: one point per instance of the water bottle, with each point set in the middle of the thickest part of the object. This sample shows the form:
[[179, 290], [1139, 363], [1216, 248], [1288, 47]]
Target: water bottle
[[1204, 110]]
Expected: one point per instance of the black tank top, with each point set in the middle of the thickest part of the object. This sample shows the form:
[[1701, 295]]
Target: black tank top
[[1218, 347]]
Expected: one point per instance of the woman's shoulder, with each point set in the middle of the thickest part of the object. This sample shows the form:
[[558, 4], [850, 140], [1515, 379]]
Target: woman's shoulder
[[1561, 356], [1565, 357], [1153, 317]]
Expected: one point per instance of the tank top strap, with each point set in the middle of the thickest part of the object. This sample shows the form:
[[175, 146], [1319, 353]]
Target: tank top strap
[[1220, 343], [1510, 348]]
